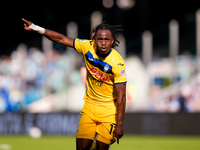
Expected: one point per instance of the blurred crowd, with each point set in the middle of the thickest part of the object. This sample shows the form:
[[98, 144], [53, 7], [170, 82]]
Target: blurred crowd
[[28, 76], [176, 86], [167, 85], [179, 98]]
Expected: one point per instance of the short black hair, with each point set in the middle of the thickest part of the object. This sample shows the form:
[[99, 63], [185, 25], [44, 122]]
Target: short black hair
[[111, 28]]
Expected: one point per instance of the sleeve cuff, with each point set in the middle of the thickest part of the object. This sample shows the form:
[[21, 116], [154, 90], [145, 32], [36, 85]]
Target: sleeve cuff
[[121, 83], [74, 43]]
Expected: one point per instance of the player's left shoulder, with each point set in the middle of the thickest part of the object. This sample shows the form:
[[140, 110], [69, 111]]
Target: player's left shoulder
[[118, 60]]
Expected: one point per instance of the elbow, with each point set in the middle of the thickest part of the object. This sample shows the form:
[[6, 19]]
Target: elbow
[[60, 41], [124, 99]]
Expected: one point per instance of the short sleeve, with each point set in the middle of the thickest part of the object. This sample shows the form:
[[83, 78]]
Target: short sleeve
[[81, 45], [119, 73]]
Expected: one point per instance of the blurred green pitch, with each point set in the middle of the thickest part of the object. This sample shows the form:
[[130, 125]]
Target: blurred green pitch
[[128, 142]]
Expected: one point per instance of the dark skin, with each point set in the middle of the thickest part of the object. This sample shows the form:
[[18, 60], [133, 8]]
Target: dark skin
[[103, 43]]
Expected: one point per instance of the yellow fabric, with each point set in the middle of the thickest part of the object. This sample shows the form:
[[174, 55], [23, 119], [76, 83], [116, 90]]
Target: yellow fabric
[[102, 73], [96, 120]]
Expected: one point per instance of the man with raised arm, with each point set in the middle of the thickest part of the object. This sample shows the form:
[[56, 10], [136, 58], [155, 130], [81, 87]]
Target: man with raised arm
[[105, 98]]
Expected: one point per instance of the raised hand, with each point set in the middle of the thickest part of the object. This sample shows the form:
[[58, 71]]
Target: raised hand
[[52, 35], [27, 24]]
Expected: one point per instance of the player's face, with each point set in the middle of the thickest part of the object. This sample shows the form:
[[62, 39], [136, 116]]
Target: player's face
[[104, 41]]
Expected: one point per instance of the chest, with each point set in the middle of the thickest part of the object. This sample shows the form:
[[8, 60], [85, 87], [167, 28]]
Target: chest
[[98, 68]]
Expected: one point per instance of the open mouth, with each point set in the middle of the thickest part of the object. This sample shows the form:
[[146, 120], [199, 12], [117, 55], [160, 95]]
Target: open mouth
[[103, 49]]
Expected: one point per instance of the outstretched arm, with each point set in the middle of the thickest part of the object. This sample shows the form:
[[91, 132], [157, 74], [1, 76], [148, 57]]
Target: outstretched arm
[[52, 35]]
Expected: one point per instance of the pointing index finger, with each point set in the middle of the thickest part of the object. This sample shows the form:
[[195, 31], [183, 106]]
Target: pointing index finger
[[117, 139], [28, 22], [24, 20]]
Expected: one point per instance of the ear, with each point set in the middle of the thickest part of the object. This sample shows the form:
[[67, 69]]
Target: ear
[[112, 41], [94, 40], [93, 35]]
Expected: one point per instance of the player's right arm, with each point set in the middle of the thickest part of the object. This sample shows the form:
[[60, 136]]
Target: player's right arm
[[52, 35]]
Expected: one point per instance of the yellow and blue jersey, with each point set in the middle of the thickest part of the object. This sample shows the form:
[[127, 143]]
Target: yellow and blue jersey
[[102, 73]]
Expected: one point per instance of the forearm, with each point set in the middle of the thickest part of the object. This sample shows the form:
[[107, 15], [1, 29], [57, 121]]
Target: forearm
[[56, 37], [121, 109]]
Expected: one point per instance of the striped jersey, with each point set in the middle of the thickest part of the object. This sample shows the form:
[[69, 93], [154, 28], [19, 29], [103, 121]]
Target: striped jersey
[[102, 73]]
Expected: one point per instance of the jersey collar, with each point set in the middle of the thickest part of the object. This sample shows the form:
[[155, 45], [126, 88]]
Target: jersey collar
[[106, 54]]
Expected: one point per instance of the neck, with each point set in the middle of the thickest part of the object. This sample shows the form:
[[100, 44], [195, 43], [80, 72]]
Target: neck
[[103, 55]]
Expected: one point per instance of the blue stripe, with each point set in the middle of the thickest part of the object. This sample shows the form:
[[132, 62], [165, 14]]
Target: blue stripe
[[103, 66], [121, 83], [74, 43]]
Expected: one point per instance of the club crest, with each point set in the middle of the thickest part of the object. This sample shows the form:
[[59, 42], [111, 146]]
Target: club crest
[[106, 67]]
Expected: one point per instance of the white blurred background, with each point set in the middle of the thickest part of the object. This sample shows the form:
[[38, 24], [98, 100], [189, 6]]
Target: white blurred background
[[161, 77]]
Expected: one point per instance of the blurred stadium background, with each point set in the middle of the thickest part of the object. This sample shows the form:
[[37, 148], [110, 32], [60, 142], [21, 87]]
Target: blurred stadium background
[[40, 81]]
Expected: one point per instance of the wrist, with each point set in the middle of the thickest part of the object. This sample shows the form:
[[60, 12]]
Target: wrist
[[37, 28], [119, 124]]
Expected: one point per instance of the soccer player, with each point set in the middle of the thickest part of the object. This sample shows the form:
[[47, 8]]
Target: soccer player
[[105, 98]]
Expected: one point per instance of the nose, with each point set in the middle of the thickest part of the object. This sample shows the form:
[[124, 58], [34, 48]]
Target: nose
[[103, 42]]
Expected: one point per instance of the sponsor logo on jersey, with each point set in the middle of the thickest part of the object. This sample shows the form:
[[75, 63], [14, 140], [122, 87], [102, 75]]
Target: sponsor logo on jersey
[[120, 64], [94, 72]]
